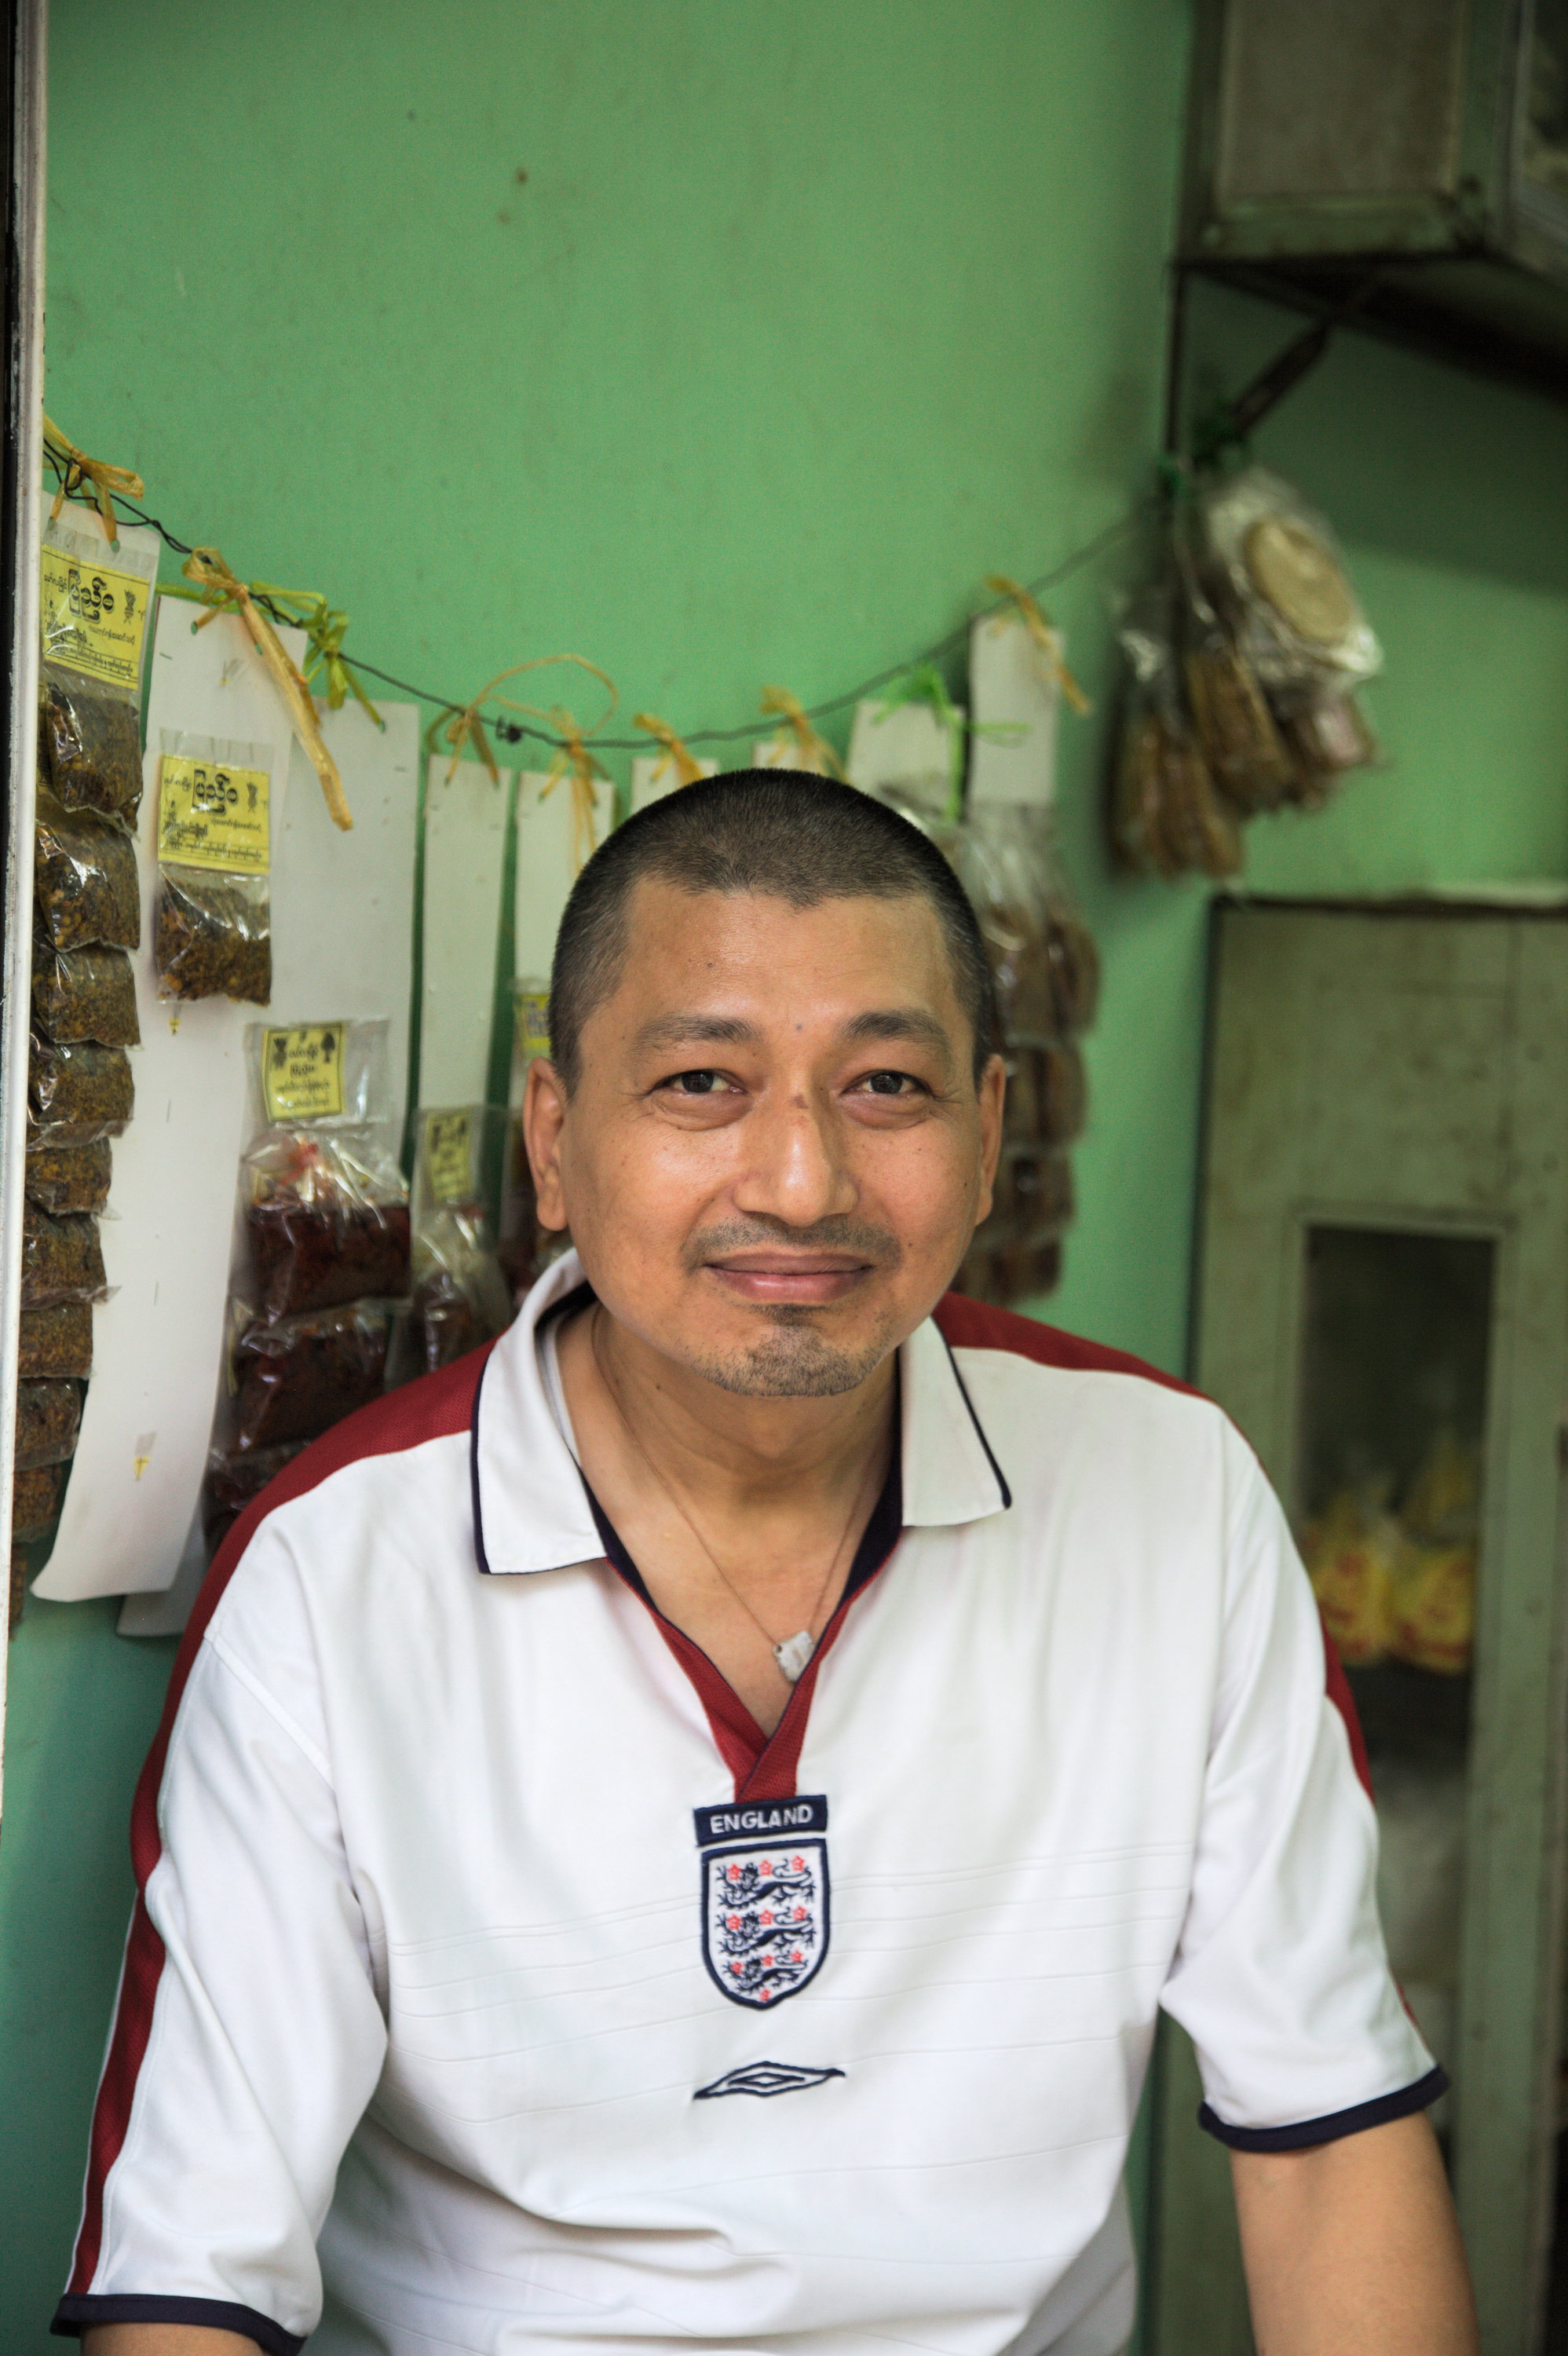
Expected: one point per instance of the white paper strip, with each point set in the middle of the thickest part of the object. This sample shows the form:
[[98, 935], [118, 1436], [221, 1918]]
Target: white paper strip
[[465, 841], [906, 749], [546, 866], [654, 774], [1014, 695], [342, 906]]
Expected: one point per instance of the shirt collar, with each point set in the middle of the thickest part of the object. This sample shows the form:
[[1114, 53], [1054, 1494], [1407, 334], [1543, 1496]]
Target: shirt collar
[[532, 1510]]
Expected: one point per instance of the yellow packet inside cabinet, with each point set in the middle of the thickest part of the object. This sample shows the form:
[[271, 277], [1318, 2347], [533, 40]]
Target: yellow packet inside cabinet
[[302, 1072], [214, 816], [449, 1156]]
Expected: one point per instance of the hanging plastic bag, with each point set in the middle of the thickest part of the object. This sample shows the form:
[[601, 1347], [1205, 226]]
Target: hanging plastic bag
[[56, 1341], [1295, 618], [61, 1178], [94, 600], [326, 1206], [1043, 958], [84, 879], [87, 993], [212, 925], [62, 1259], [460, 1297], [35, 1501], [294, 1378], [1168, 818], [49, 1416], [1231, 717], [1356, 1554], [77, 1093]]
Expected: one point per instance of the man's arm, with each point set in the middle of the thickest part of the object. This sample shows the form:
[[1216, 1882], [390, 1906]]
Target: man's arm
[[163, 2340], [1352, 2248]]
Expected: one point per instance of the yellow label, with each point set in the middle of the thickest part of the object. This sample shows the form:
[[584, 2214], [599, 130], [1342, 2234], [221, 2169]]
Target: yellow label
[[94, 618], [449, 1157], [533, 1024], [302, 1072], [212, 815]]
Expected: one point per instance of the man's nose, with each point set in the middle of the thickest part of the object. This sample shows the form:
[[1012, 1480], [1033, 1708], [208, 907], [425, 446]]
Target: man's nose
[[796, 1167]]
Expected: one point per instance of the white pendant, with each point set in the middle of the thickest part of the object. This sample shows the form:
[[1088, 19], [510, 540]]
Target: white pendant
[[793, 1654]]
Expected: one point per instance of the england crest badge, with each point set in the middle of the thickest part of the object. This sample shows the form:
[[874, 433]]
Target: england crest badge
[[765, 1897]]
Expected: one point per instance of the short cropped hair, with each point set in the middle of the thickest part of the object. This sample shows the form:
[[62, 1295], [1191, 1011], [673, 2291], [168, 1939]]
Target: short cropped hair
[[780, 832]]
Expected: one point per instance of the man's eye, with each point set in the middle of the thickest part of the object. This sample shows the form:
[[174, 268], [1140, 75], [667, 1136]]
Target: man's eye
[[889, 1084], [698, 1084]]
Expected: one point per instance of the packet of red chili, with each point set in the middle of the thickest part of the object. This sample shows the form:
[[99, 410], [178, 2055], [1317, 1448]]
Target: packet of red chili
[[326, 1206]]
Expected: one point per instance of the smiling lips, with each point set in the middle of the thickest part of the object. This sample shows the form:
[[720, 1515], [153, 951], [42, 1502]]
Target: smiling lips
[[804, 1279]]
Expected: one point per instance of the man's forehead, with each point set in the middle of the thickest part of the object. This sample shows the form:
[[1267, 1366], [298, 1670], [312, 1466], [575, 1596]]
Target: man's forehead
[[906, 927]]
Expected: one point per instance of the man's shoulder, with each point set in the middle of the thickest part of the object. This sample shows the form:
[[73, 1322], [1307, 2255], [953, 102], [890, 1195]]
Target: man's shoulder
[[967, 1324]]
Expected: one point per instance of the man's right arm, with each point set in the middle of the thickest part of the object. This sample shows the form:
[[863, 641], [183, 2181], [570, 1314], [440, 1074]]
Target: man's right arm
[[163, 2340], [249, 2037]]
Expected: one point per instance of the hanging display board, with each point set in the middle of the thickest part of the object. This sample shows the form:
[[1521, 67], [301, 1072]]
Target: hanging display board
[[548, 847], [466, 812], [1015, 691], [341, 936]]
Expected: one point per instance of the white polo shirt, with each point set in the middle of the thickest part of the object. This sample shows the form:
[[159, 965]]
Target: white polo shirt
[[495, 1986]]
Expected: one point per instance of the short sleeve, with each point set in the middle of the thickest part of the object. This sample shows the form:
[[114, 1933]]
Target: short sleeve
[[1281, 1978]]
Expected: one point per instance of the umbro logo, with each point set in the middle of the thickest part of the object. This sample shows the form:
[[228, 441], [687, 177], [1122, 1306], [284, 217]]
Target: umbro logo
[[764, 2078]]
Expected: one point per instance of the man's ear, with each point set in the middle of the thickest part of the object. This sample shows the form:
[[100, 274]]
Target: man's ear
[[544, 1117], [992, 1092]]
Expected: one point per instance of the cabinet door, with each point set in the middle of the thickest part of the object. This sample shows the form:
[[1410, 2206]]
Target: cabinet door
[[1381, 1306]]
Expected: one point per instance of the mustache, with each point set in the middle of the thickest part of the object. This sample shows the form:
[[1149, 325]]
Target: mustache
[[876, 1246]]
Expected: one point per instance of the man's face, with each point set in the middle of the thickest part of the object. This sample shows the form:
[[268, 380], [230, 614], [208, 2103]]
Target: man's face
[[776, 1154]]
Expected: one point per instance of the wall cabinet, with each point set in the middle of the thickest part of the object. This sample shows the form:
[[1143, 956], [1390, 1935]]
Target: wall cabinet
[[1382, 1307]]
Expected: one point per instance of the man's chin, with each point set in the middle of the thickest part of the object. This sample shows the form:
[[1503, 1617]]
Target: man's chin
[[791, 1359]]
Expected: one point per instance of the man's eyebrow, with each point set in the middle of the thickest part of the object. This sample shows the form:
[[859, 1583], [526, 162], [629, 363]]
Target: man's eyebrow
[[695, 1031], [900, 1022]]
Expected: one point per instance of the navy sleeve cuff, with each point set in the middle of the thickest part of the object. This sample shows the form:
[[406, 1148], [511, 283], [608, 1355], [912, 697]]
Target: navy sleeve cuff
[[1304, 2133], [73, 2315]]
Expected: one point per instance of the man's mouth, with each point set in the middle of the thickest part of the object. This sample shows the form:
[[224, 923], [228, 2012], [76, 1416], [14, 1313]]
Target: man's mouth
[[810, 1280]]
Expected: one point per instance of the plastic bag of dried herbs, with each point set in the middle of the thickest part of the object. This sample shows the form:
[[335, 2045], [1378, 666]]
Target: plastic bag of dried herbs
[[77, 1093], [84, 879], [35, 1501], [1168, 817], [87, 993], [1282, 580], [1043, 958], [49, 1416], [94, 600], [294, 1378], [234, 1482], [62, 1258], [326, 1206], [56, 1341], [212, 928], [61, 1178], [460, 1297]]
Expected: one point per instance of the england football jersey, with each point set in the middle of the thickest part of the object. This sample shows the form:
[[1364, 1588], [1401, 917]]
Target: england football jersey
[[496, 1986]]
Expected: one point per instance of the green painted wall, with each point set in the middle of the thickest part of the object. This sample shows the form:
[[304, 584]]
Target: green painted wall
[[805, 318]]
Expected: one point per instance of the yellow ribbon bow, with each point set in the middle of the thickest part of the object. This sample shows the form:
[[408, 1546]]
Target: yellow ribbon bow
[[573, 760], [76, 468], [224, 593], [325, 628], [816, 754], [688, 767], [1048, 640]]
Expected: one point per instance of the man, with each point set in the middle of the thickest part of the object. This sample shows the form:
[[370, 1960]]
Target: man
[[677, 1830]]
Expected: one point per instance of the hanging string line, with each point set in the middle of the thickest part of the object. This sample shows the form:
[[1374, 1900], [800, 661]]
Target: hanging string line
[[511, 731]]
